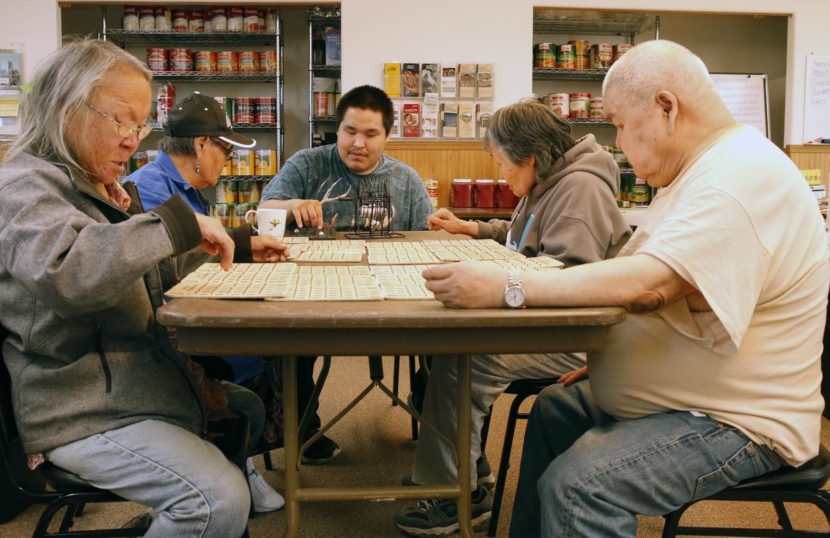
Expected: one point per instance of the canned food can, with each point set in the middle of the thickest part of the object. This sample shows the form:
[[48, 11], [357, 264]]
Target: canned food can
[[164, 19], [243, 162], [260, 19], [605, 55], [180, 23], [581, 62], [321, 104], [243, 110], [147, 19], [565, 57], [268, 61], [204, 61], [266, 110], [579, 103], [250, 22], [596, 111], [218, 20], [621, 49], [271, 20], [264, 162], [245, 192], [196, 20], [234, 19], [580, 47], [239, 211], [226, 192], [152, 155], [224, 212], [181, 60], [559, 103], [227, 169], [545, 57], [139, 159], [130, 20], [227, 62], [158, 59], [248, 61]]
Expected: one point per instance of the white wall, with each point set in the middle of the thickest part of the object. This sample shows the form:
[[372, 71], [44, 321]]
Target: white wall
[[496, 31]]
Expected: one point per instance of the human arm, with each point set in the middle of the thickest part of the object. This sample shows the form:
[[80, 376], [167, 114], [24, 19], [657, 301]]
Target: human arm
[[639, 283], [569, 378], [287, 190], [309, 212], [443, 219]]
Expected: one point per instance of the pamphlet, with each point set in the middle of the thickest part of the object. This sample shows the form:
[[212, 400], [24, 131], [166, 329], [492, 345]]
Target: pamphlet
[[410, 76], [449, 120], [411, 120], [392, 79], [448, 82], [466, 119], [430, 74], [467, 81], [485, 81], [429, 119]]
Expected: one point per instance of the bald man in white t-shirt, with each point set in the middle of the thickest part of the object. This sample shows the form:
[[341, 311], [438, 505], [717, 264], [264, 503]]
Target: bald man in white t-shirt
[[714, 377]]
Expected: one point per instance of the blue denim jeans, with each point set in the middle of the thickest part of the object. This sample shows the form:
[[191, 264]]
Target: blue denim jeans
[[586, 474], [191, 487]]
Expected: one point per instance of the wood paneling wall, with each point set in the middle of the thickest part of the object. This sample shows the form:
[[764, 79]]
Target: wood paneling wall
[[809, 157], [445, 161]]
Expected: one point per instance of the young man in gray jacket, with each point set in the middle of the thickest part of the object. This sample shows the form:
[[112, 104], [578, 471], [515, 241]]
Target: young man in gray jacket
[[567, 211]]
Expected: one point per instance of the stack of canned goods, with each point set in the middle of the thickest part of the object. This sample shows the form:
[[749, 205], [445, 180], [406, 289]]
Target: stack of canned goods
[[209, 61], [234, 199], [579, 105], [200, 20], [577, 55], [242, 110]]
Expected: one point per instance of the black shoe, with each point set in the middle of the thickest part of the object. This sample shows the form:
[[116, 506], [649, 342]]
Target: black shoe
[[439, 517], [323, 450]]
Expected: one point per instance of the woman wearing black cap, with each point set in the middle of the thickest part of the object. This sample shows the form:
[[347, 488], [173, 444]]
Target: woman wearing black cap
[[199, 140]]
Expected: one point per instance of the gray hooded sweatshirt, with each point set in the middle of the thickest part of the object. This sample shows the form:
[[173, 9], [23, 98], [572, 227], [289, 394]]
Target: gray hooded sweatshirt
[[574, 209]]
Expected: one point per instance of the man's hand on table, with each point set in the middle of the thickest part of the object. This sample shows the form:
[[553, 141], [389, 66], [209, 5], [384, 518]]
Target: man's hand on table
[[467, 284], [267, 248]]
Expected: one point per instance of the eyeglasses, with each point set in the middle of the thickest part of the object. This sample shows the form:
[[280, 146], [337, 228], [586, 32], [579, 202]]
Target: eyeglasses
[[126, 128], [227, 149]]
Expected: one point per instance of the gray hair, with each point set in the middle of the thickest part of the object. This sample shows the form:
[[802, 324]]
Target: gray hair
[[659, 65], [174, 145], [529, 128], [63, 82]]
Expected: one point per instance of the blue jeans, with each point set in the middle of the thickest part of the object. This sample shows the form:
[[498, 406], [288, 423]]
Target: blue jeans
[[191, 487], [586, 474]]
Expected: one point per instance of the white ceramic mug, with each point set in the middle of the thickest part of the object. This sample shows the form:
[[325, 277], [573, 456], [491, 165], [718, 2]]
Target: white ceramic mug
[[269, 221]]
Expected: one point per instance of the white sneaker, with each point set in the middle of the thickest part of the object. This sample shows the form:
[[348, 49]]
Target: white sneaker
[[263, 496]]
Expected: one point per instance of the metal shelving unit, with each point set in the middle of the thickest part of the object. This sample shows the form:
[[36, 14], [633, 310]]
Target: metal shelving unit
[[568, 74], [319, 19], [127, 38]]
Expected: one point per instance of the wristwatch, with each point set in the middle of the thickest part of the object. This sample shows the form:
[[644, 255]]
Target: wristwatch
[[514, 293]]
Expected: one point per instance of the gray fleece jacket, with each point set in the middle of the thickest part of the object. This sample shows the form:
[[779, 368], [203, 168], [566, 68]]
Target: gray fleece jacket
[[80, 281], [575, 214]]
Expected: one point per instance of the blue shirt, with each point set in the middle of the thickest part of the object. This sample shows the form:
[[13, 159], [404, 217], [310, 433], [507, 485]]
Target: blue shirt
[[318, 173], [159, 180]]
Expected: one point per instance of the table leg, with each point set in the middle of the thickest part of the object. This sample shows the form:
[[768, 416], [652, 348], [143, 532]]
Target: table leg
[[463, 445], [291, 442]]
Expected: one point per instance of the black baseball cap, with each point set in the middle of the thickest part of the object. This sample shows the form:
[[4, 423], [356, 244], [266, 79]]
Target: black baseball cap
[[202, 115]]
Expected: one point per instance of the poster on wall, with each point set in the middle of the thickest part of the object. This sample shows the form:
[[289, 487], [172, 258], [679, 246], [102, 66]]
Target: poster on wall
[[817, 99], [10, 73]]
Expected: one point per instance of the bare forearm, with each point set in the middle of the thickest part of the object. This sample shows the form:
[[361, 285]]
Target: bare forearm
[[639, 283]]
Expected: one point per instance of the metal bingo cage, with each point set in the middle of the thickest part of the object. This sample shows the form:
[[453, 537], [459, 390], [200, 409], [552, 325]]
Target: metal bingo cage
[[373, 210]]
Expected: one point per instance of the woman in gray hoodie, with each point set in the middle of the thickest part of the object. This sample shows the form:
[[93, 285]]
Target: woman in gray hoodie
[[97, 388], [567, 211]]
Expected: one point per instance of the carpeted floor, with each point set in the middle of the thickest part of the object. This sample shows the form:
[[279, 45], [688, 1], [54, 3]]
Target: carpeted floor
[[377, 449]]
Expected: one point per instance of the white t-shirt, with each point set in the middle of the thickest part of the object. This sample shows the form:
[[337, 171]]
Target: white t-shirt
[[740, 225]]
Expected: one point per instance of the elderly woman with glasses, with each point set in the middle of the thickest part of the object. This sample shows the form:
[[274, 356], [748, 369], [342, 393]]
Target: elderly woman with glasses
[[97, 387]]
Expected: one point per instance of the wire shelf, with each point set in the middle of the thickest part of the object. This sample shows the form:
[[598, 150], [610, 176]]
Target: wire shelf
[[569, 74], [325, 70], [245, 178], [165, 36], [580, 23], [200, 76], [589, 121]]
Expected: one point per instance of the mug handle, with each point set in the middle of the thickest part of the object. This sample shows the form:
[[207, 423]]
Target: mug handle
[[246, 218]]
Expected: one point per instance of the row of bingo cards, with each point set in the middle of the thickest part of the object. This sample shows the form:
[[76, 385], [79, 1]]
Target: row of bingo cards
[[399, 253], [538, 263], [334, 283], [457, 250], [350, 251], [243, 281]]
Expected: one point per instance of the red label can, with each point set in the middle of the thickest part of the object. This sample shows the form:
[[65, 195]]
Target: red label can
[[321, 104], [266, 110], [485, 193], [579, 105], [157, 59], [243, 110], [462, 193], [180, 20], [506, 199], [227, 62], [250, 21], [181, 60]]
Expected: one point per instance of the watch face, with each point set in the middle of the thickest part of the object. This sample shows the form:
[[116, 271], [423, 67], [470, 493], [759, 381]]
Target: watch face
[[514, 296]]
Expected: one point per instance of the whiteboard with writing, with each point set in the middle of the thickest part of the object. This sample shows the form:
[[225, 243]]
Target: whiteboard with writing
[[817, 98], [745, 95]]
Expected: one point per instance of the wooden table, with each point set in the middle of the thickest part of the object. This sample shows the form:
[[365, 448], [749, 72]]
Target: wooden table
[[225, 327]]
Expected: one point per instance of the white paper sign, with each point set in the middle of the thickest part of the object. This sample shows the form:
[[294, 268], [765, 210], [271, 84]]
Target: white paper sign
[[817, 98]]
